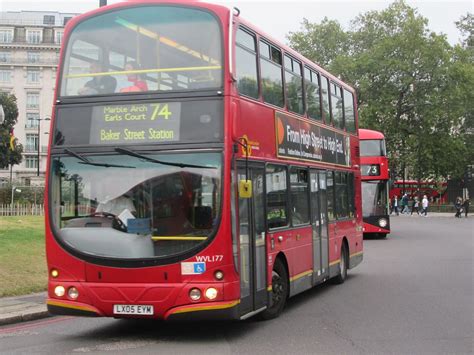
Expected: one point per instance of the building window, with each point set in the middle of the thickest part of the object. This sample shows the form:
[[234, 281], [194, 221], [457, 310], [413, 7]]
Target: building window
[[33, 36], [6, 36], [33, 57], [31, 162], [5, 57], [31, 143], [59, 37], [48, 20], [33, 76], [5, 76], [32, 120], [32, 100], [66, 20]]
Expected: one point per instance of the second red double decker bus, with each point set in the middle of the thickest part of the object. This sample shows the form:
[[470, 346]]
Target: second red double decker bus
[[197, 168], [375, 180]]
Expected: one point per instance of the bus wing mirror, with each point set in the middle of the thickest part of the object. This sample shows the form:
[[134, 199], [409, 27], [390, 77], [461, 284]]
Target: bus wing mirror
[[245, 188]]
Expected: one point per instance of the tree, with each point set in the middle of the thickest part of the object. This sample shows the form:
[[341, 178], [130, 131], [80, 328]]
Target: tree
[[7, 155], [308, 41], [411, 85]]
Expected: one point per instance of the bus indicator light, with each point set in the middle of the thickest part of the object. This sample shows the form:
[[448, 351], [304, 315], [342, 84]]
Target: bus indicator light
[[54, 273]]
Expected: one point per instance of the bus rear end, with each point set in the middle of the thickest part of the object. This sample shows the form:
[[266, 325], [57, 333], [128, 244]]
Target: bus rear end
[[375, 177]]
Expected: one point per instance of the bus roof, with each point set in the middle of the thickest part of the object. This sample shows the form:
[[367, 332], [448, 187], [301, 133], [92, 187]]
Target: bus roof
[[370, 134]]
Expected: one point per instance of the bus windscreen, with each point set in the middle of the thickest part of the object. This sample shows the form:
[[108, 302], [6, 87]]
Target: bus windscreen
[[142, 49]]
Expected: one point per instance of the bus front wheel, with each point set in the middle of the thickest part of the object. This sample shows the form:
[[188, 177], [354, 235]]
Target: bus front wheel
[[280, 290]]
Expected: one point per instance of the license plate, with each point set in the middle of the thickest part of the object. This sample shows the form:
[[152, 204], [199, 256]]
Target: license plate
[[135, 309]]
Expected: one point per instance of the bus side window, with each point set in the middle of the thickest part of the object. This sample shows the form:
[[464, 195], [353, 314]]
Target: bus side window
[[277, 196], [271, 72], [325, 97], [246, 64]]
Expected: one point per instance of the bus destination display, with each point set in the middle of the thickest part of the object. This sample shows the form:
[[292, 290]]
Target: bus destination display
[[135, 123]]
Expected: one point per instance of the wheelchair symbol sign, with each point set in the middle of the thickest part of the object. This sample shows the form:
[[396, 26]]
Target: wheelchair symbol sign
[[199, 268]]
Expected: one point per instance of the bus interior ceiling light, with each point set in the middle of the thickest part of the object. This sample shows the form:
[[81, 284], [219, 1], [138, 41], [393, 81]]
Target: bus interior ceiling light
[[169, 42]]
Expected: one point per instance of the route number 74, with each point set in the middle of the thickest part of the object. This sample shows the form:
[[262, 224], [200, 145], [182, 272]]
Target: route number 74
[[160, 110]]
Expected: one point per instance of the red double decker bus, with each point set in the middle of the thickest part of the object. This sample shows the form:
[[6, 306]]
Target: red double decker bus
[[197, 168], [375, 180], [434, 190]]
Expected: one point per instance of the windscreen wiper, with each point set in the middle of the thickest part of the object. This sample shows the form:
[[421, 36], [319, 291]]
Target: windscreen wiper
[[144, 157], [84, 160]]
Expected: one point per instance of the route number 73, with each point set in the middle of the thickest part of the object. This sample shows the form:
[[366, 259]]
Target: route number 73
[[160, 110]]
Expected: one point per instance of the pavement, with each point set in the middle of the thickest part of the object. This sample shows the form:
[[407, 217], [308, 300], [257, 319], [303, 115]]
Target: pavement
[[23, 308], [30, 307]]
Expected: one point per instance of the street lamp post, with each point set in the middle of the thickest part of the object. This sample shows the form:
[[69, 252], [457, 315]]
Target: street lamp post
[[39, 146], [14, 188]]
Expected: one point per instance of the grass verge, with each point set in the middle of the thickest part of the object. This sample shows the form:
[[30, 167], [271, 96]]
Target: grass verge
[[22, 255]]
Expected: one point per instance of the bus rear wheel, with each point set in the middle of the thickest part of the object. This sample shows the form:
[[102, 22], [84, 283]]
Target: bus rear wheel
[[343, 261], [280, 290]]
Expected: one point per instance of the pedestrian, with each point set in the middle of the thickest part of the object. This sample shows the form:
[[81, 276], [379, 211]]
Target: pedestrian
[[416, 206], [458, 206], [394, 205], [404, 203], [465, 205], [424, 205], [411, 203]]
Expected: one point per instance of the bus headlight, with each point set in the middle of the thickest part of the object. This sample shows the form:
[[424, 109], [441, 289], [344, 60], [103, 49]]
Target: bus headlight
[[195, 294], [219, 275], [59, 291], [54, 273], [73, 293], [383, 222], [211, 293]]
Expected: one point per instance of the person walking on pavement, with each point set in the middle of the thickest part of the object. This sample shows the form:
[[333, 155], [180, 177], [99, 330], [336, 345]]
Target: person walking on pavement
[[424, 205], [416, 206], [394, 205], [404, 204], [458, 207], [465, 206]]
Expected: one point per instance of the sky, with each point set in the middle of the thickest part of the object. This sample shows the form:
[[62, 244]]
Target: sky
[[277, 18]]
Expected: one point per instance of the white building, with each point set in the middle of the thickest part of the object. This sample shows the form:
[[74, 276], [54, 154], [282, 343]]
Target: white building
[[29, 51]]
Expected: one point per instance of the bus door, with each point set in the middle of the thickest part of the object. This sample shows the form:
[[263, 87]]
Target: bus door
[[252, 242], [320, 226]]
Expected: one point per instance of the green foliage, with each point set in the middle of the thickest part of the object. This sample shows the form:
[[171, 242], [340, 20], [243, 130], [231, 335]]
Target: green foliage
[[411, 84], [8, 156]]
